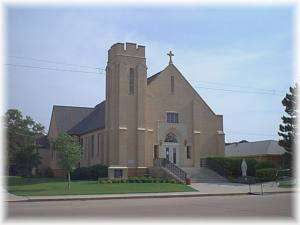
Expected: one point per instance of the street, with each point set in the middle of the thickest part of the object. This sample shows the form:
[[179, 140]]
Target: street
[[275, 205]]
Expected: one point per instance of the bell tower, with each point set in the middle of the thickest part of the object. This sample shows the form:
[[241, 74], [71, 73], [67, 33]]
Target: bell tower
[[126, 81]]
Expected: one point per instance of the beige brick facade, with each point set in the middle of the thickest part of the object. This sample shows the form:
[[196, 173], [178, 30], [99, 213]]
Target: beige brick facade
[[136, 117]]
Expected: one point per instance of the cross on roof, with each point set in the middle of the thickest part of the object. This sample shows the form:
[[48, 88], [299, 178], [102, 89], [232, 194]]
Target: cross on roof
[[170, 54]]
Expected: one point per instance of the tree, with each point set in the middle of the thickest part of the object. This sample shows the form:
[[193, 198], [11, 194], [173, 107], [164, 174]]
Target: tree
[[69, 152], [287, 130], [21, 148]]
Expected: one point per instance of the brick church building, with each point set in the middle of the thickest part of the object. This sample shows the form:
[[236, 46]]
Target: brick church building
[[142, 119]]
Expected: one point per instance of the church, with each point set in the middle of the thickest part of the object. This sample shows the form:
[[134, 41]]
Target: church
[[142, 119]]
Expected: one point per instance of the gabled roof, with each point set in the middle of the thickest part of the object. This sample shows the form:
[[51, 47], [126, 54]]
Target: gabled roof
[[95, 120], [258, 148], [153, 77], [68, 116], [150, 79]]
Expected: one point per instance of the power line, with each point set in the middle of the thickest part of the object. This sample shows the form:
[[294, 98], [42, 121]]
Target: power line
[[238, 86], [54, 62], [53, 69], [269, 92], [239, 91]]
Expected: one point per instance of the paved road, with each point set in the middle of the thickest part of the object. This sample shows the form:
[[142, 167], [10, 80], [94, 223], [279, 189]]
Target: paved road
[[276, 205]]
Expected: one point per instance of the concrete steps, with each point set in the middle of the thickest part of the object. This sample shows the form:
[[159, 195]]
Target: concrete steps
[[203, 175]]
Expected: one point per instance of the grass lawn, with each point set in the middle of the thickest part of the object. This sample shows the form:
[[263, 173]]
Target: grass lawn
[[52, 186], [287, 184]]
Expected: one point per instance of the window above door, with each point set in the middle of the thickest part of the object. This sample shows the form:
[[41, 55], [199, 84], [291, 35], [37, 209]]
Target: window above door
[[172, 117]]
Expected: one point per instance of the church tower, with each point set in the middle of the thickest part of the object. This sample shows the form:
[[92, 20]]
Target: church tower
[[126, 80]]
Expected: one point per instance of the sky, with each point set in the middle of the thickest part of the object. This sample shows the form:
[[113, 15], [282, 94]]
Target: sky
[[239, 59]]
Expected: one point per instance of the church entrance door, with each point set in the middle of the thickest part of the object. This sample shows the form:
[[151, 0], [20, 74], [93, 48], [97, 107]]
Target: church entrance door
[[171, 152]]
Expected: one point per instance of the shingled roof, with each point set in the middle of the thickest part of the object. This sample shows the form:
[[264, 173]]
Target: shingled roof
[[258, 148], [81, 120], [94, 121], [68, 116]]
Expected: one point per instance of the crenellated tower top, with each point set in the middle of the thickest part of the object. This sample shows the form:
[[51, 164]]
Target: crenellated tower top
[[127, 49]]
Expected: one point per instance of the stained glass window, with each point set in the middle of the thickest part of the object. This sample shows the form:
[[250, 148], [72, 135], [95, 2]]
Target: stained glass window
[[171, 137]]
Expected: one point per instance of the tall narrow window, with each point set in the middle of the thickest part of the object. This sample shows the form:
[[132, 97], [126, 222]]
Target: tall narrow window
[[102, 148], [92, 146], [98, 146], [172, 84], [156, 152], [86, 147], [188, 152], [131, 81], [81, 144]]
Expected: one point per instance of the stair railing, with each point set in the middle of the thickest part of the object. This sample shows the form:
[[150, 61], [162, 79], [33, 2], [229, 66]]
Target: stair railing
[[173, 168]]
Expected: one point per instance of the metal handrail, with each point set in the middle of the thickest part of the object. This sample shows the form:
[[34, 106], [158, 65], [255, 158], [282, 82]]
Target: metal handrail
[[165, 163]]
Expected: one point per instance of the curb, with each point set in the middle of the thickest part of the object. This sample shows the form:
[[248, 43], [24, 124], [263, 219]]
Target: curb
[[144, 196]]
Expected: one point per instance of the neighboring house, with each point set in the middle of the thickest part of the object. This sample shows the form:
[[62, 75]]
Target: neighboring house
[[261, 150], [142, 119]]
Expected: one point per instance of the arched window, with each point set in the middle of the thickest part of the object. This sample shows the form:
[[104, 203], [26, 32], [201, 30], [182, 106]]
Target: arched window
[[171, 137]]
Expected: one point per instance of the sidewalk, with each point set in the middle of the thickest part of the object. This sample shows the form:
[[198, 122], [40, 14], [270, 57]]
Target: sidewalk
[[203, 189]]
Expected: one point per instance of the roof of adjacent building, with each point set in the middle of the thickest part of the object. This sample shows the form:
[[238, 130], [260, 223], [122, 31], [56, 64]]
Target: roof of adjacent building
[[95, 120], [258, 148], [153, 77], [67, 117], [81, 120]]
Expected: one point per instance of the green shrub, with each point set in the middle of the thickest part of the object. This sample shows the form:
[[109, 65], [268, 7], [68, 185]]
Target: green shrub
[[90, 173], [264, 165], [231, 166], [268, 174]]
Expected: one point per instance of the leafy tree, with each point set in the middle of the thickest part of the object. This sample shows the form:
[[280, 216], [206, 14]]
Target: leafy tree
[[69, 152], [22, 132], [287, 130]]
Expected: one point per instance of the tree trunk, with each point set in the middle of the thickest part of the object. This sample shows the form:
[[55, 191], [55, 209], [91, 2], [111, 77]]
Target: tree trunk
[[69, 180]]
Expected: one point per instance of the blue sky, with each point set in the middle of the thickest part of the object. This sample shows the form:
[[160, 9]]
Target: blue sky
[[223, 47]]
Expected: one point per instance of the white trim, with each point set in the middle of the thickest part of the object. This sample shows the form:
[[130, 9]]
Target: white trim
[[122, 128], [171, 111], [150, 130], [141, 128], [117, 167], [197, 132]]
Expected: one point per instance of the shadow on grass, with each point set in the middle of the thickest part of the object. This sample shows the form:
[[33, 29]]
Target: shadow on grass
[[25, 192], [20, 181]]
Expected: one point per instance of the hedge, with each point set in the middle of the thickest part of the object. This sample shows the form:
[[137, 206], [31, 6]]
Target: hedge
[[268, 174], [264, 165], [136, 180], [231, 166], [90, 173]]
